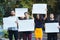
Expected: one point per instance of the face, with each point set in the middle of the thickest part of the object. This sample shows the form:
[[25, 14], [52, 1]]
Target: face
[[12, 13], [26, 15], [51, 15], [38, 16]]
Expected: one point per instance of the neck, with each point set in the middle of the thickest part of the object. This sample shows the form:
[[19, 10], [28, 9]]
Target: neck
[[52, 19], [13, 15]]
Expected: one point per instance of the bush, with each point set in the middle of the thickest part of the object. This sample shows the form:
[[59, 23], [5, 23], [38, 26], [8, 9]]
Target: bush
[[5, 34]]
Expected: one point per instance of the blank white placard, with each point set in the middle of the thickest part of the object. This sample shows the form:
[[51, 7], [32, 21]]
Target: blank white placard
[[20, 11], [9, 22], [39, 9], [26, 25], [51, 27]]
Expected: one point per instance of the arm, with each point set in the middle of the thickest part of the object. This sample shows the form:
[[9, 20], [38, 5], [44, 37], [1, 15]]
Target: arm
[[59, 25], [32, 16], [45, 17], [16, 21]]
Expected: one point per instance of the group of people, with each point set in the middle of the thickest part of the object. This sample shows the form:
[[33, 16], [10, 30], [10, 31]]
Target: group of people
[[38, 32]]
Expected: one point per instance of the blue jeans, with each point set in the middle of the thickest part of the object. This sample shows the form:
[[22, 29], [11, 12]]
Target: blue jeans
[[11, 33]]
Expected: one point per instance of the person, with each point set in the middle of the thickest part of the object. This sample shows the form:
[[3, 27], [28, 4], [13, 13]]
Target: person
[[27, 34], [51, 36], [38, 26], [20, 34], [13, 30]]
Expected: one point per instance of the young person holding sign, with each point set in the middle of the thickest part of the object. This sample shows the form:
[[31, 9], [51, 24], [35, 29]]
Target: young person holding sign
[[38, 26], [13, 30], [27, 34], [51, 35], [20, 34]]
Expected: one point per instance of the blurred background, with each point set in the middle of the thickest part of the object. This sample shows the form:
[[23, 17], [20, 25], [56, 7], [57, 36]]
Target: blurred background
[[7, 5]]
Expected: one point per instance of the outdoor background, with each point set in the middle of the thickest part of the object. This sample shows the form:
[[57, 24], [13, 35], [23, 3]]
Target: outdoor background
[[7, 5]]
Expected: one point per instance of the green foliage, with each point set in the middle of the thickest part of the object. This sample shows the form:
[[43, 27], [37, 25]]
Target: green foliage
[[27, 3], [23, 3], [1, 15], [5, 34]]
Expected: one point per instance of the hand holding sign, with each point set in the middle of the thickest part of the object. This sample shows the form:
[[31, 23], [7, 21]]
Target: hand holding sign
[[9, 22], [51, 27], [26, 25]]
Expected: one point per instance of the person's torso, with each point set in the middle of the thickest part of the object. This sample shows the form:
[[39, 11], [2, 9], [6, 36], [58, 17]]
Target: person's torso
[[38, 24], [51, 21]]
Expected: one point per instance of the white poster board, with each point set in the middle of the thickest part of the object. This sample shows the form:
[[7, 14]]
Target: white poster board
[[39, 9], [9, 22], [51, 27], [20, 11], [26, 25]]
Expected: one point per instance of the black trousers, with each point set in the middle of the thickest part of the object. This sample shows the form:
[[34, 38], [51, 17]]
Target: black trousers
[[11, 33], [20, 35], [52, 36]]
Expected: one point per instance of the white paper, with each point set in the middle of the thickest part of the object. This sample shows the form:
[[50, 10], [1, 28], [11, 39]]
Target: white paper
[[20, 11], [39, 9], [26, 25], [9, 22], [51, 27]]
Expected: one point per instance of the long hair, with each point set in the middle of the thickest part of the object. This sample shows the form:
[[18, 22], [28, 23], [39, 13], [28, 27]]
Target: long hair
[[26, 13], [40, 18]]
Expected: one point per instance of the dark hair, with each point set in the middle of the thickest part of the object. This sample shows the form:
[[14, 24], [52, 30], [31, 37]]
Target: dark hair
[[51, 13], [12, 10], [26, 13], [40, 17]]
